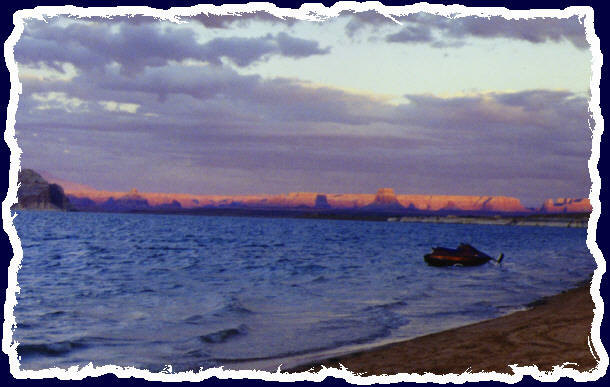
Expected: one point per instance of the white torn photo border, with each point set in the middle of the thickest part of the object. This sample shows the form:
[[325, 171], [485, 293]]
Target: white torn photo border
[[316, 13]]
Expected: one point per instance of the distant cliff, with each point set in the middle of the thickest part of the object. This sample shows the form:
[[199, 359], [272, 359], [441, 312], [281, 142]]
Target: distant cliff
[[451, 203], [131, 201], [385, 201], [564, 205], [36, 193]]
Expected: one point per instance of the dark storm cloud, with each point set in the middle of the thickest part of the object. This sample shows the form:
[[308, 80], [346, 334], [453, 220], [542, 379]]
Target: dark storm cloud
[[157, 115], [441, 31], [185, 92], [205, 105], [277, 100], [534, 123], [412, 34], [297, 47], [226, 21], [245, 51], [201, 82], [135, 46], [360, 20], [538, 30], [544, 109]]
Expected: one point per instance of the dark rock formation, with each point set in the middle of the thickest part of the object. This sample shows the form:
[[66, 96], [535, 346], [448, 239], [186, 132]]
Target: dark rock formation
[[450, 206], [321, 202], [80, 203], [129, 202], [36, 193], [385, 200], [566, 205], [174, 205]]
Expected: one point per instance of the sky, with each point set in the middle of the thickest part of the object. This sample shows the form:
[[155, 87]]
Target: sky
[[255, 104]]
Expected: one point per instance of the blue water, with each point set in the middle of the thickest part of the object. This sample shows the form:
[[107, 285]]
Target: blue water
[[195, 291]]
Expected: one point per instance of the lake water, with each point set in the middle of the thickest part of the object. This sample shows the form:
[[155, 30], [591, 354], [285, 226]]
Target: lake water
[[197, 291]]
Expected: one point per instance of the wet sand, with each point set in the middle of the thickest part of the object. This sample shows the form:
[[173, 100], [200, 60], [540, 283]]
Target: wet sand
[[553, 332]]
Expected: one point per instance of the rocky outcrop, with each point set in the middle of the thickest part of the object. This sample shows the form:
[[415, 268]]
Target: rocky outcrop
[[290, 200], [174, 205], [385, 200], [321, 202], [433, 203], [131, 201], [81, 203], [34, 192], [503, 204], [564, 205], [349, 201]]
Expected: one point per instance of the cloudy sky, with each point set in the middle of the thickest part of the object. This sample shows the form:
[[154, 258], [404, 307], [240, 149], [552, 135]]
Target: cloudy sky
[[255, 104]]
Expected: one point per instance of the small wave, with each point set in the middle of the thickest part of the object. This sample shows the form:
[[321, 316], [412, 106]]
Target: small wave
[[156, 255], [483, 304], [106, 341], [49, 349], [29, 245], [386, 306], [381, 333], [263, 245], [223, 335], [474, 310], [234, 306], [58, 237], [24, 325], [311, 268], [53, 314], [238, 308], [194, 319], [509, 309], [197, 353], [98, 249], [177, 248], [157, 270], [137, 315], [164, 248]]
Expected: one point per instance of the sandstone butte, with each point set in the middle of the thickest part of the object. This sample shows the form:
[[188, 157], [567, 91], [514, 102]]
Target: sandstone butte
[[566, 205], [340, 201]]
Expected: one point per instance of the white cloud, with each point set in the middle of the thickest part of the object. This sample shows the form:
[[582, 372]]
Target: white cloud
[[59, 100], [113, 106]]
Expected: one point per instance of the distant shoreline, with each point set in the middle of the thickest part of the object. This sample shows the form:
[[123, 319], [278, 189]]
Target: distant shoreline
[[572, 220]]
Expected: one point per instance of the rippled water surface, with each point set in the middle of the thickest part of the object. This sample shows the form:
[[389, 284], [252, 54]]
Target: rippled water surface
[[194, 291]]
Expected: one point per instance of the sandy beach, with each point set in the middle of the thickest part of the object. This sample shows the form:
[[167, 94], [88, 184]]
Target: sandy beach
[[554, 331]]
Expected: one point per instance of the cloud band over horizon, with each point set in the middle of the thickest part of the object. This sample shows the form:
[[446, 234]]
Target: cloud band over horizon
[[163, 107]]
